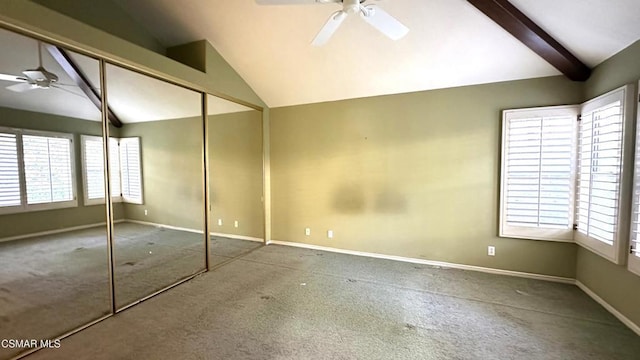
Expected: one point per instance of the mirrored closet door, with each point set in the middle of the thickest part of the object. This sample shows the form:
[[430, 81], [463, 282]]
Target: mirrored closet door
[[156, 166], [54, 259], [236, 218]]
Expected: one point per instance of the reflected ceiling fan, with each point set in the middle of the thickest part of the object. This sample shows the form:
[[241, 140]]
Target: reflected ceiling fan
[[372, 14], [38, 78]]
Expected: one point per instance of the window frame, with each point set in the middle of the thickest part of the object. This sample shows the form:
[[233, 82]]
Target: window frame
[[125, 197], [24, 206], [615, 252], [119, 197], [633, 262], [535, 233]]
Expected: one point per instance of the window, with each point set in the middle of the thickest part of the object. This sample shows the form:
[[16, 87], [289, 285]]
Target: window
[[562, 174], [130, 170], [538, 173], [601, 211], [124, 166], [36, 170]]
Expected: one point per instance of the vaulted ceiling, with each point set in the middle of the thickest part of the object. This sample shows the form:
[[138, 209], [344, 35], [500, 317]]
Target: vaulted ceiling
[[450, 43]]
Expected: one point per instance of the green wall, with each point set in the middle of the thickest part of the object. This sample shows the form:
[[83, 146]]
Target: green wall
[[614, 283], [235, 167], [171, 152], [47, 220], [414, 175]]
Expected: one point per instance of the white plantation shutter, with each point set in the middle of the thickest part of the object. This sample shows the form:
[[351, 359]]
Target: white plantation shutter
[[93, 164], [93, 169], [600, 160], [634, 258], [114, 168], [48, 169], [538, 173], [10, 194], [130, 170]]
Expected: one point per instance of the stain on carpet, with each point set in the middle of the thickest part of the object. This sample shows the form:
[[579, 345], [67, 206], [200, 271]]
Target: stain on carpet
[[5, 290], [352, 280], [266, 297], [130, 263], [409, 327], [151, 243]]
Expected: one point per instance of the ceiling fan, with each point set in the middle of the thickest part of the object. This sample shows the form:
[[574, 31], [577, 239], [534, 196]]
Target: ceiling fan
[[38, 78], [372, 14]]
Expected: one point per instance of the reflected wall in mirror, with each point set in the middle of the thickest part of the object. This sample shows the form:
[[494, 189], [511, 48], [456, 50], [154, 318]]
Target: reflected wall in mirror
[[236, 219], [53, 239], [157, 179]]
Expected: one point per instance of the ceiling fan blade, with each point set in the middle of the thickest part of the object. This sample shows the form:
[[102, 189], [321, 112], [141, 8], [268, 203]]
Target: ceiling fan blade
[[384, 22], [20, 87], [329, 28], [295, 2], [7, 77]]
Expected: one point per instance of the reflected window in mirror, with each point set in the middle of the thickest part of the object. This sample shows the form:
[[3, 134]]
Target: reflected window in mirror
[[36, 170], [125, 170]]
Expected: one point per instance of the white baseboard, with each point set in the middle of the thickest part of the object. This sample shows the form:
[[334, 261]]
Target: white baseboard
[[239, 237], [53, 232], [57, 231], [625, 320], [558, 279], [164, 226]]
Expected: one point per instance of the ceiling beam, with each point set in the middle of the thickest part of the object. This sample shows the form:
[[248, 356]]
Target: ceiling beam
[[75, 73], [530, 34]]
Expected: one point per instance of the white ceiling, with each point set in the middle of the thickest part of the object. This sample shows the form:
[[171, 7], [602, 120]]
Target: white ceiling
[[450, 43]]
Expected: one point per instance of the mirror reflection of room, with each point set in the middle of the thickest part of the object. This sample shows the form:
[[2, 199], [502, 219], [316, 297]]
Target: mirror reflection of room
[[53, 239], [157, 181], [235, 179]]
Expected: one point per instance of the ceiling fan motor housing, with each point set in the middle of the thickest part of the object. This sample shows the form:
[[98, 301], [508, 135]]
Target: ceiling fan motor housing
[[351, 6]]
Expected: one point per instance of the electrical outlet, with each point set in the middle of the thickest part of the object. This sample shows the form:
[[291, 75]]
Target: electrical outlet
[[330, 234], [145, 212], [307, 231], [491, 250], [235, 223], [219, 222]]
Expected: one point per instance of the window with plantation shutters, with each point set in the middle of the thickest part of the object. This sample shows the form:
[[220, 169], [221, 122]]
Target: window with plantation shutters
[[93, 169], [124, 170], [562, 175], [538, 155], [36, 170], [114, 169], [601, 213], [47, 169], [9, 171], [130, 170]]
